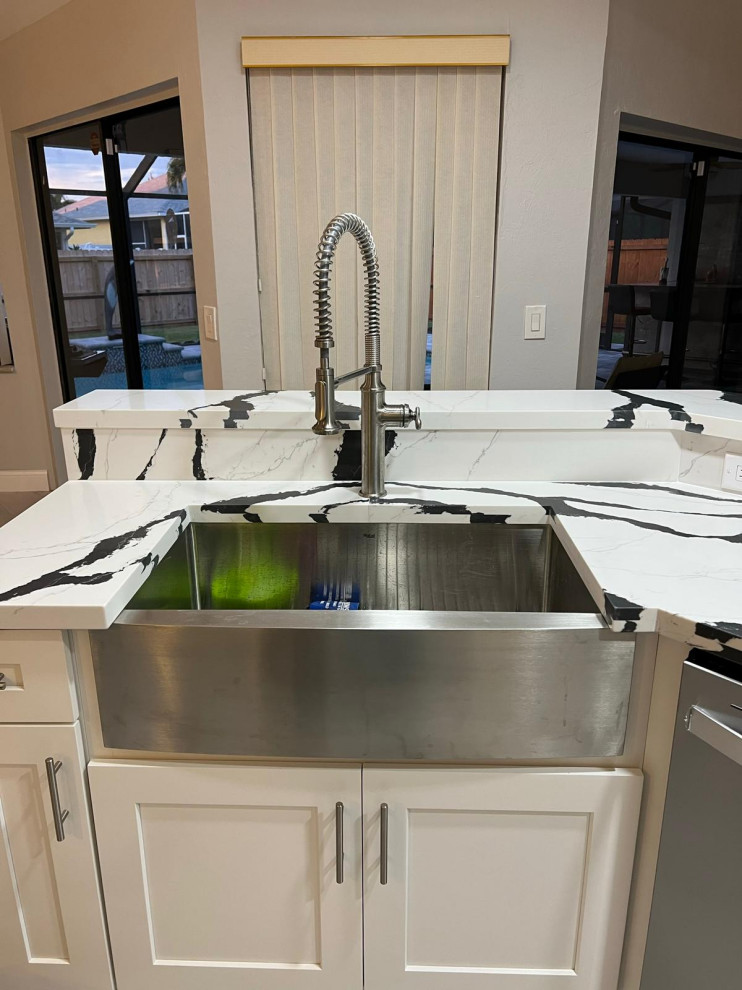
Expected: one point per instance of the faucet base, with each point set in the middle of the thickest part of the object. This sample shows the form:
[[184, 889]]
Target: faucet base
[[376, 416]]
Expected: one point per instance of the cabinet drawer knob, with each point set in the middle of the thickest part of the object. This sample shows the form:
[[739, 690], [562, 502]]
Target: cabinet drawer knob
[[60, 815], [339, 852], [384, 857]]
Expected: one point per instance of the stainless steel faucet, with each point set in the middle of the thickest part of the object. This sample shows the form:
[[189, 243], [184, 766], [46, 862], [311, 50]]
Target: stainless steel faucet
[[376, 415]]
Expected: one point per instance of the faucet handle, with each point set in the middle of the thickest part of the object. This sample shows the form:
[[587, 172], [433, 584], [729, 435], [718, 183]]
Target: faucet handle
[[396, 416], [411, 416]]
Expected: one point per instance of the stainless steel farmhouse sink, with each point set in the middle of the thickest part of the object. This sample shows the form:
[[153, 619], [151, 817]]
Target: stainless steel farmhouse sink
[[468, 643]]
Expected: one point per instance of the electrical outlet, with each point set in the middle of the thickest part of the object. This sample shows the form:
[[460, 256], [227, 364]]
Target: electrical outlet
[[731, 478], [210, 329], [534, 324]]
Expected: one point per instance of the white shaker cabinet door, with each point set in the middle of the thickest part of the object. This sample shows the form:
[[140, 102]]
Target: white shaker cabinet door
[[508, 879], [52, 932], [225, 876]]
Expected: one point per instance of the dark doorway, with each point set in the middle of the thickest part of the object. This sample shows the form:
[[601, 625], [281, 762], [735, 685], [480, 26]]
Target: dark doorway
[[709, 344], [672, 311], [113, 205]]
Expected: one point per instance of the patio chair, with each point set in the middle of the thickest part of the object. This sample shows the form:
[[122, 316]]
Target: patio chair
[[637, 371]]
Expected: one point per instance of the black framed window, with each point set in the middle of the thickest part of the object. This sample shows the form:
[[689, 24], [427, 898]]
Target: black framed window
[[113, 204]]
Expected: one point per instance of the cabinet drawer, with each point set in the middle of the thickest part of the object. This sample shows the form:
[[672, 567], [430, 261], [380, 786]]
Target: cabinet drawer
[[36, 679]]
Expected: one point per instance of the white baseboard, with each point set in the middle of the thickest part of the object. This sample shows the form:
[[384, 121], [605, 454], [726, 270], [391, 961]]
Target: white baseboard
[[24, 481]]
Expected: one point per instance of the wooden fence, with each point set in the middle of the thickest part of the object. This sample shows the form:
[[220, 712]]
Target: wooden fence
[[165, 285], [640, 261]]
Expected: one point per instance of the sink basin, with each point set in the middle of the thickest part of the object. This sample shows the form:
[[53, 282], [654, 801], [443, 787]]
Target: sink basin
[[387, 566], [472, 643]]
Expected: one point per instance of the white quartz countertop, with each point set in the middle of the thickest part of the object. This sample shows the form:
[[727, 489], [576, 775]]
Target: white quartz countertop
[[656, 557], [697, 411], [659, 556]]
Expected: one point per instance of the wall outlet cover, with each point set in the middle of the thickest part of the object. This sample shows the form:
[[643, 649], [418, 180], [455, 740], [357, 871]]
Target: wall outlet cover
[[731, 478]]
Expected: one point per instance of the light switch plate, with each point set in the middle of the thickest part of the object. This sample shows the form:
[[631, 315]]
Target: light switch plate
[[731, 478], [534, 324], [210, 329]]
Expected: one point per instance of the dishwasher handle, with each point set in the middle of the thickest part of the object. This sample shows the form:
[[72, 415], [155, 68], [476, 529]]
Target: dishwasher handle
[[711, 728]]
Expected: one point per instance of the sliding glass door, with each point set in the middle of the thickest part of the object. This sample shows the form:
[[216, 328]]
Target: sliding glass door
[[672, 311], [113, 204], [712, 343]]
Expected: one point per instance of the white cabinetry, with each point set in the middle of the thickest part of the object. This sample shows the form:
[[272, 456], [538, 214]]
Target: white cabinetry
[[225, 876], [514, 879], [35, 677], [52, 933]]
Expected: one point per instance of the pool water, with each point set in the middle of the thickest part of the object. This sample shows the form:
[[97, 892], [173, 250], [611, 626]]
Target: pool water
[[185, 376]]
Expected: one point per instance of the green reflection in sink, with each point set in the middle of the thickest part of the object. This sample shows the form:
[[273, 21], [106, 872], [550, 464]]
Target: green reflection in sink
[[169, 585], [487, 567], [216, 573], [266, 584]]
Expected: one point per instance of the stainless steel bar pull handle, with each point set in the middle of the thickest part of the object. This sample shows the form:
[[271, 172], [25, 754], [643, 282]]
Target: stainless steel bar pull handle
[[339, 851], [384, 858], [710, 727], [60, 815]]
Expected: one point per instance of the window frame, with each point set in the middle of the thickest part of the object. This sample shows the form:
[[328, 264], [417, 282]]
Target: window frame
[[121, 242]]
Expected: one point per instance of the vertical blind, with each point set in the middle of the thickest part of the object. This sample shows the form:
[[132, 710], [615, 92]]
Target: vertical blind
[[414, 152]]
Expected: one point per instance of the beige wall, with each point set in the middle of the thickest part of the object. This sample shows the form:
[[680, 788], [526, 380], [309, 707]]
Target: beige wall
[[233, 279], [25, 442], [17, 15], [677, 65], [551, 104]]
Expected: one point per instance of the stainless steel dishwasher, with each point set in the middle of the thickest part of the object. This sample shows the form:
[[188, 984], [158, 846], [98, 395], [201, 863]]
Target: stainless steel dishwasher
[[694, 938]]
